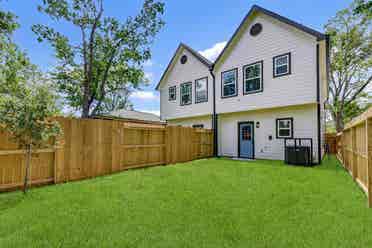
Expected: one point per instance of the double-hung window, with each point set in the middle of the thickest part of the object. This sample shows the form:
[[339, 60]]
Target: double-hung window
[[284, 128], [253, 78], [172, 93], [229, 83], [201, 90], [282, 65], [186, 93]]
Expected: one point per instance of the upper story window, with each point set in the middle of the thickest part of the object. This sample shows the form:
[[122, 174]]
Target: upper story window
[[172, 93], [201, 90], [253, 78], [282, 65], [229, 83], [186, 95], [284, 128]]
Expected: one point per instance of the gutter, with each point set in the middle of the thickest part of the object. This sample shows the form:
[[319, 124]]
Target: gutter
[[318, 104], [214, 115]]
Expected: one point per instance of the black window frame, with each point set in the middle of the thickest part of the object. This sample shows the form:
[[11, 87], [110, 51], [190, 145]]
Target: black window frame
[[195, 89], [277, 125], [244, 78], [185, 104], [289, 65], [236, 83], [175, 93]]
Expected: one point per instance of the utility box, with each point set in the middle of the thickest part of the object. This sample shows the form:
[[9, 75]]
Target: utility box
[[298, 151]]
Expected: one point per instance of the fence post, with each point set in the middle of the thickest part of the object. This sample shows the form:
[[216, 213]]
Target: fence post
[[167, 141], [369, 160], [59, 161], [354, 164]]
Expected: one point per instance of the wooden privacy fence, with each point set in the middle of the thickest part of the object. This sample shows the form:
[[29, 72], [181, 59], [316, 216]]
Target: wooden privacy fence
[[331, 141], [93, 147], [354, 150]]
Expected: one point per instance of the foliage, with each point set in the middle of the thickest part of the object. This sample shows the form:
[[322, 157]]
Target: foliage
[[351, 61], [27, 114], [363, 7], [109, 56], [8, 23]]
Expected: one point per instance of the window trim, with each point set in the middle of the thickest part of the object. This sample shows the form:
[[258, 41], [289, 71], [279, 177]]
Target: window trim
[[187, 83], [236, 83], [277, 126], [175, 93], [289, 65], [196, 98], [244, 78]]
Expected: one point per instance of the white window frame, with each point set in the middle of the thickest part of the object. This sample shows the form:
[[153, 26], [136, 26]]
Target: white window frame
[[245, 79], [288, 64], [174, 88], [189, 84], [223, 84], [290, 128], [196, 90]]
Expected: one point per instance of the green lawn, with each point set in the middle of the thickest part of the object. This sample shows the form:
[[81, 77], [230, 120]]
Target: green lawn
[[206, 203]]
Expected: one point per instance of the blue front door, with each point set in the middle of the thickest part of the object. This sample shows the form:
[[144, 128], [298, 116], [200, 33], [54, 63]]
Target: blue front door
[[246, 140]]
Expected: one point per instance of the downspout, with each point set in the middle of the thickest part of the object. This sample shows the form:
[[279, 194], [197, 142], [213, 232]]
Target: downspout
[[318, 104], [214, 115]]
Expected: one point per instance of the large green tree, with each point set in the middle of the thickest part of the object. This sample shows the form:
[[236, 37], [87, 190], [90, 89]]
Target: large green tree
[[351, 61], [109, 56]]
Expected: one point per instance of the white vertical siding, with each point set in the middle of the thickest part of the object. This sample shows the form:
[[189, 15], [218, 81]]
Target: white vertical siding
[[275, 39], [304, 126]]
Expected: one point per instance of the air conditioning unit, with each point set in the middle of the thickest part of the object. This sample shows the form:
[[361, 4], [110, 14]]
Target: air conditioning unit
[[298, 151]]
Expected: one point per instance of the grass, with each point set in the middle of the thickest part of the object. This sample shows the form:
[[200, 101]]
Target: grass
[[206, 203]]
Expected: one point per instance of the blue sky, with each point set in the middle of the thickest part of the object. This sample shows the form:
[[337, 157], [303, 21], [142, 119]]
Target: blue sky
[[205, 25]]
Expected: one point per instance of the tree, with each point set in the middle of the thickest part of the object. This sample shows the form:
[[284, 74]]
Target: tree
[[108, 57], [351, 61], [26, 101]]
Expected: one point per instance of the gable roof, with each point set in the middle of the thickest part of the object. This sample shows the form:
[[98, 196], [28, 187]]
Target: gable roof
[[132, 115], [258, 9], [200, 57]]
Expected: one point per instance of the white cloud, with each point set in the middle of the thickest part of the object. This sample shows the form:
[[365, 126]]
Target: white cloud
[[155, 112], [149, 76], [213, 52], [148, 63], [144, 95]]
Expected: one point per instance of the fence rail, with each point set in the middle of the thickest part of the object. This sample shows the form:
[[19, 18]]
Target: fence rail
[[354, 150], [94, 147]]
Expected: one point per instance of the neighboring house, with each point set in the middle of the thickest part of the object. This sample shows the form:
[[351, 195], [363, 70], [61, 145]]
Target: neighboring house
[[133, 116], [268, 84]]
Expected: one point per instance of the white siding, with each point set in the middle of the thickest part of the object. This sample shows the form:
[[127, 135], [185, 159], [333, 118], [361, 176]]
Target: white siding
[[177, 75], [189, 122], [275, 39], [304, 126]]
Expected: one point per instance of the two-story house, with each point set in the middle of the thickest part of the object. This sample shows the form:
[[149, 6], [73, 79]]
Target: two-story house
[[268, 84]]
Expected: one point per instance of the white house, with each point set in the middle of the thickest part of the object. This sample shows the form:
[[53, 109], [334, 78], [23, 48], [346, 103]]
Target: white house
[[267, 85]]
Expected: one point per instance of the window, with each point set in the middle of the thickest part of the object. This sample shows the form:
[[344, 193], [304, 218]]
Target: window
[[172, 93], [284, 128], [282, 65], [201, 90], [229, 83], [198, 126], [253, 78], [246, 133], [186, 97]]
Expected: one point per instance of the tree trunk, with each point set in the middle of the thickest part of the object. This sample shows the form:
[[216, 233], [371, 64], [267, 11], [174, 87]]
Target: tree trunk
[[28, 166], [339, 122]]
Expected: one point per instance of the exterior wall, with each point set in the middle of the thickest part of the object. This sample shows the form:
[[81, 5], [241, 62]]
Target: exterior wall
[[275, 39], [304, 126], [177, 75], [323, 77], [188, 122]]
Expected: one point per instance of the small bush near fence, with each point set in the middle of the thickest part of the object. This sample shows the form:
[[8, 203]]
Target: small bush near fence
[[354, 150], [93, 147]]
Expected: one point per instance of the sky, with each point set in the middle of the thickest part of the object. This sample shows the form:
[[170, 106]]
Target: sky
[[205, 25]]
